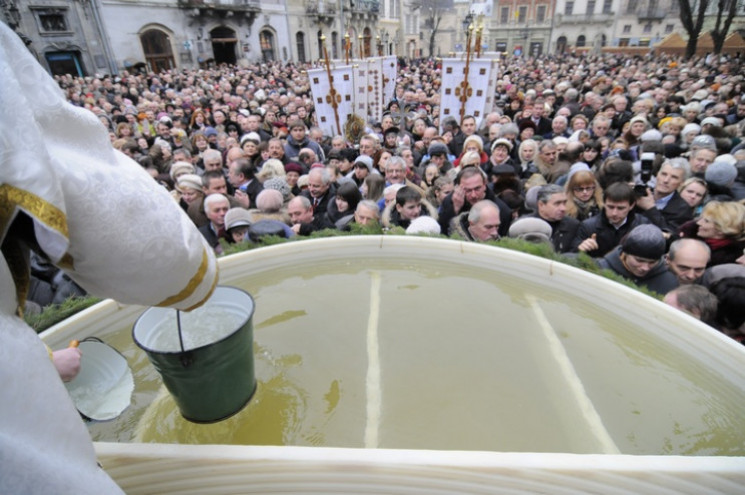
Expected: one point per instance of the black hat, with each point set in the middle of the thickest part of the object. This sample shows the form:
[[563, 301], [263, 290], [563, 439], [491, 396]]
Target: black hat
[[392, 130], [645, 241]]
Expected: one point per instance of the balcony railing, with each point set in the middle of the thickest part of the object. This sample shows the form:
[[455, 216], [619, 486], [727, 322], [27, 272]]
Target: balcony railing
[[364, 6], [651, 14], [584, 18], [316, 7], [200, 7]]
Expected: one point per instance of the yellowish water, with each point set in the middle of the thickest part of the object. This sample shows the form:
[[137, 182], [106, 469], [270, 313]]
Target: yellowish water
[[454, 358]]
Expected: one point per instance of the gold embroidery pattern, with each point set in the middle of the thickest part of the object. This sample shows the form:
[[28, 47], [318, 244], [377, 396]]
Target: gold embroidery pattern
[[12, 198], [195, 282]]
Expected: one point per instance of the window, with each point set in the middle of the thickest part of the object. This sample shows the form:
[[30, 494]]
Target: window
[[540, 15], [581, 40], [504, 15], [156, 45], [52, 20], [590, 7], [631, 6], [300, 42], [335, 44], [522, 13], [266, 41], [568, 8], [669, 28], [623, 42], [644, 42], [607, 4], [626, 28], [647, 28]]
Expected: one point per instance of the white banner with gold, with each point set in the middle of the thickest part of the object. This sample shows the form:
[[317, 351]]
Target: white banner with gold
[[333, 99], [362, 82], [390, 71], [465, 88], [491, 92]]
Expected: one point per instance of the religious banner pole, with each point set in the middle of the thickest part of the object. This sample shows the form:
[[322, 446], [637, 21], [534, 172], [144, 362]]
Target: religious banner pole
[[478, 40], [359, 40], [347, 47], [333, 98], [465, 89]]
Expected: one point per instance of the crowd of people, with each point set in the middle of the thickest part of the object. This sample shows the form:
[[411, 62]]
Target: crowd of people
[[637, 162]]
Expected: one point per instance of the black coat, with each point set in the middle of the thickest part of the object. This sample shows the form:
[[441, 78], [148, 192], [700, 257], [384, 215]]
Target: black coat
[[563, 232], [447, 212], [672, 216], [659, 279], [606, 235], [320, 210]]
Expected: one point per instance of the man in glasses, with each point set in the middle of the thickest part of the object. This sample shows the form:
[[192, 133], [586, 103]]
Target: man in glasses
[[598, 235]]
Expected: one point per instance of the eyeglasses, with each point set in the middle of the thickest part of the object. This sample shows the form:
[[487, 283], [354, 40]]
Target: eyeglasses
[[583, 189]]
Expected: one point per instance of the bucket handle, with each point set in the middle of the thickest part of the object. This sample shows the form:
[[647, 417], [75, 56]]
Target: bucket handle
[[187, 358]]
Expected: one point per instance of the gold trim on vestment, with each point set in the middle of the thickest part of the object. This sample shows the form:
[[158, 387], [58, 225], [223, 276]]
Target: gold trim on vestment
[[195, 282], [45, 212]]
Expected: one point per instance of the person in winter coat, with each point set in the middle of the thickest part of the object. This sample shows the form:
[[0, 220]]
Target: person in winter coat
[[639, 259]]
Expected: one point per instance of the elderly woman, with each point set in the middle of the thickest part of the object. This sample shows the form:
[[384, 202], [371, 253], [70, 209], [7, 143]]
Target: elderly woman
[[722, 227], [188, 190]]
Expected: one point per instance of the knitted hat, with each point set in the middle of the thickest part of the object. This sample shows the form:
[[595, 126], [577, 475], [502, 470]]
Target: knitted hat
[[280, 184], [437, 148], [721, 173], [294, 167], [252, 136], [651, 135], [210, 131], [502, 142], [645, 241], [181, 167], [711, 120], [576, 167], [364, 160], [531, 229], [691, 128]]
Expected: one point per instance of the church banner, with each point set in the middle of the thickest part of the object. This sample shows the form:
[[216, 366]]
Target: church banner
[[334, 99], [466, 87]]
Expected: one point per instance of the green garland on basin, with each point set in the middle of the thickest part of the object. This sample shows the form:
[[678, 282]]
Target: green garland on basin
[[55, 313]]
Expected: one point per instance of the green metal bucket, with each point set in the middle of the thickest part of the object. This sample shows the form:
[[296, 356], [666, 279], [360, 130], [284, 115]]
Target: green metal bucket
[[212, 380]]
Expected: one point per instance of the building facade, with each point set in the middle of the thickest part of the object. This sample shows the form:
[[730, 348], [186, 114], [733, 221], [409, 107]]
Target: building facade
[[86, 37]]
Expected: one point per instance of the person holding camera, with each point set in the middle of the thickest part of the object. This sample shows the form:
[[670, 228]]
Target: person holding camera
[[663, 205]]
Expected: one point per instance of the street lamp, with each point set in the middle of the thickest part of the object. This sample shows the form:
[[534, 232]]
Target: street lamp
[[385, 42], [467, 22], [380, 45]]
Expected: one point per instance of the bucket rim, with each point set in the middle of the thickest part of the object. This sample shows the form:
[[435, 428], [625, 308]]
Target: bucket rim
[[185, 351]]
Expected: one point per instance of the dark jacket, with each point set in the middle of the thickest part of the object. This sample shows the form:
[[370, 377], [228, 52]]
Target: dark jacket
[[391, 218], [447, 212], [606, 235], [669, 219], [563, 232], [319, 211], [659, 279], [292, 147]]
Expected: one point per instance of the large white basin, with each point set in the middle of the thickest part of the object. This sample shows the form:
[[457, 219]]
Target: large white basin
[[688, 402]]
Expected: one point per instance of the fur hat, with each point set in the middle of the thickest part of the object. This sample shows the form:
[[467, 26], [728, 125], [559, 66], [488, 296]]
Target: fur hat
[[423, 225], [531, 229], [181, 167], [691, 128], [280, 184], [639, 118], [645, 241], [711, 120], [721, 173], [704, 141], [437, 147], [189, 181], [474, 139]]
